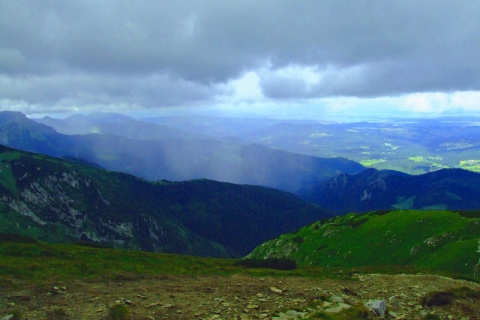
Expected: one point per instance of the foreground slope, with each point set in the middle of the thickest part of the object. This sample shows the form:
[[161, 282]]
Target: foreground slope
[[51, 281], [446, 241], [61, 201]]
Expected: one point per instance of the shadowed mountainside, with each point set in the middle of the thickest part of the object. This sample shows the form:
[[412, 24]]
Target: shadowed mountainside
[[60, 201], [453, 189]]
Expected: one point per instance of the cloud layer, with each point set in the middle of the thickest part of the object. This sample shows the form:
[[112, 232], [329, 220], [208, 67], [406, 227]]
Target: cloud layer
[[66, 55]]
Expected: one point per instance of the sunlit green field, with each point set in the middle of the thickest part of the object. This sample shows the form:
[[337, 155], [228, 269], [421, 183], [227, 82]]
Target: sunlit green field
[[412, 147]]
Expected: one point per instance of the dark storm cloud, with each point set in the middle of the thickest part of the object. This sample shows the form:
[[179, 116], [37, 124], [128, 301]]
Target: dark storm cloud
[[157, 53]]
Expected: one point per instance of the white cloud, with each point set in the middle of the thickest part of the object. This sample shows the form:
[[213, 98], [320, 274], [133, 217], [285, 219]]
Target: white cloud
[[246, 88], [424, 103], [466, 101]]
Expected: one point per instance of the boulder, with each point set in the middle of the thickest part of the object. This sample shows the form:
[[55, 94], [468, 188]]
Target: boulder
[[379, 306]]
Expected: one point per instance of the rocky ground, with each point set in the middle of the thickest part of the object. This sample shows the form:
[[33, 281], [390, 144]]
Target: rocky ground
[[233, 297]]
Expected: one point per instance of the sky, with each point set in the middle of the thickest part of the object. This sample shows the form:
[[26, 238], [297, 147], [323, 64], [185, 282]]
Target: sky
[[276, 58]]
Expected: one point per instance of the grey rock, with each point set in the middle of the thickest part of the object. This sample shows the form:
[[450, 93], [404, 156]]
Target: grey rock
[[276, 290], [290, 315], [338, 307], [336, 299], [379, 306]]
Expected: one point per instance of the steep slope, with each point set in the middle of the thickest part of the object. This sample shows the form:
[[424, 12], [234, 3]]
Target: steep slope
[[433, 240], [61, 201], [176, 159], [453, 189]]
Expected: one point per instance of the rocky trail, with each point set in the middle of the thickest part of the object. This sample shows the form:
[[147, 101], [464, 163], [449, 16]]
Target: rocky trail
[[236, 297]]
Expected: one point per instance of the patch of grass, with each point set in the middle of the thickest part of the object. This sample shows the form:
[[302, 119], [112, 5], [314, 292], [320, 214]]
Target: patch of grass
[[57, 314], [7, 180], [444, 298], [357, 312], [119, 312], [15, 314], [371, 162], [472, 165], [12, 237], [297, 239], [469, 214], [40, 263], [417, 159], [379, 212], [322, 315], [466, 293], [441, 298], [271, 263], [92, 245], [356, 222]]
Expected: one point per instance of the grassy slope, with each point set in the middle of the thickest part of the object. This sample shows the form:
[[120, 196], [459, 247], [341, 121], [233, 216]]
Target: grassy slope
[[441, 241], [38, 262], [7, 180]]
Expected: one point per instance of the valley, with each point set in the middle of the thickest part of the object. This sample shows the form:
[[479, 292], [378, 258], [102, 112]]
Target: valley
[[191, 197], [410, 145], [175, 158]]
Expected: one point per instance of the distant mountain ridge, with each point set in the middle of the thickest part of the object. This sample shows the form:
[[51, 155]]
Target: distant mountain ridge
[[115, 124], [60, 201], [453, 189], [176, 159]]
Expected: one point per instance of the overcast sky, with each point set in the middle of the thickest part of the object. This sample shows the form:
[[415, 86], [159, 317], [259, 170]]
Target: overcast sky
[[276, 57]]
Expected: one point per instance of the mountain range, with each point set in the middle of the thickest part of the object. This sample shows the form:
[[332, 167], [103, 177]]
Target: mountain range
[[454, 189], [86, 193], [174, 158], [156, 151], [61, 201]]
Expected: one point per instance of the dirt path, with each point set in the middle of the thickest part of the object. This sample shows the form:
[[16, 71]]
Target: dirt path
[[233, 297]]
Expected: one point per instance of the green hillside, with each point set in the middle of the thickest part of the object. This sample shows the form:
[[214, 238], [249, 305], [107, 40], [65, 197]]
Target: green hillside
[[438, 241]]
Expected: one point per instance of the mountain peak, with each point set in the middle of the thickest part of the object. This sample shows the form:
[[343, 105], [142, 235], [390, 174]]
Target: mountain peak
[[19, 119], [12, 116]]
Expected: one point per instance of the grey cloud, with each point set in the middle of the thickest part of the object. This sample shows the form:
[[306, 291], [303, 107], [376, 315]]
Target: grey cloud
[[190, 48], [64, 90]]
